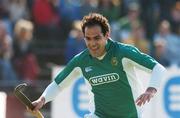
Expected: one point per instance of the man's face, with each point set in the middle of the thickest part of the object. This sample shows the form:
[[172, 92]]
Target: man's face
[[95, 40]]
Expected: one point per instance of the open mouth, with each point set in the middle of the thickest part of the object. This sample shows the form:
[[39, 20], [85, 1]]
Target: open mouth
[[93, 49]]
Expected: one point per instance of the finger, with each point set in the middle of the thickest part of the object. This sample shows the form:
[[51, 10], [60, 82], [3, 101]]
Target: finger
[[30, 111], [35, 103], [139, 103], [38, 106], [139, 98], [149, 98], [145, 99]]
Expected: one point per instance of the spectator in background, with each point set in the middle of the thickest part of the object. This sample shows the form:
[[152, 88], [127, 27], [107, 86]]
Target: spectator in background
[[6, 71], [70, 10], [4, 16], [24, 60], [167, 45], [4, 13], [29, 5], [75, 42], [110, 9], [165, 7], [88, 6], [121, 28], [137, 38], [150, 15], [175, 17], [17, 10], [46, 18]]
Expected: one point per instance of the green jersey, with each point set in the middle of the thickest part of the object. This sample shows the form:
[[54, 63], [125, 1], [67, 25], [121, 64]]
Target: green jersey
[[112, 79]]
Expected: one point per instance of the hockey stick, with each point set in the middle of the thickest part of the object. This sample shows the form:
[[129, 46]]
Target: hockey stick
[[26, 101]]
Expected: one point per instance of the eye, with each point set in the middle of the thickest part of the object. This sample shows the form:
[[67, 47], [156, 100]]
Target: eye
[[87, 38], [97, 38]]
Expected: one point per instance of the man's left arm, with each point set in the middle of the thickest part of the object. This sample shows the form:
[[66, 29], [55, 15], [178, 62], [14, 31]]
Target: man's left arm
[[157, 74]]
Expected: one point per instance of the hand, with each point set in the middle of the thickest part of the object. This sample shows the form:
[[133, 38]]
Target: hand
[[38, 103], [145, 97]]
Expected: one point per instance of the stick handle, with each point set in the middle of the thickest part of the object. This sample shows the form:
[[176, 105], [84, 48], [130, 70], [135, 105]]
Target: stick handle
[[39, 114]]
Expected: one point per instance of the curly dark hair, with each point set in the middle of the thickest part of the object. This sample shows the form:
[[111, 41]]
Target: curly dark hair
[[95, 19]]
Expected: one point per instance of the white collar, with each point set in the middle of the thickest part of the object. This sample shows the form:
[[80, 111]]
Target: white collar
[[101, 57]]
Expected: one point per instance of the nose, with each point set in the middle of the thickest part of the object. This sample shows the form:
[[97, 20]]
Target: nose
[[92, 43]]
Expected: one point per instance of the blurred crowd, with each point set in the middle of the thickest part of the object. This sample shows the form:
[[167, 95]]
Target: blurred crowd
[[153, 26]]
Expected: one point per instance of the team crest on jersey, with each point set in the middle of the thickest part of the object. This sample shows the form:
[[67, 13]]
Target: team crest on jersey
[[102, 79], [114, 61]]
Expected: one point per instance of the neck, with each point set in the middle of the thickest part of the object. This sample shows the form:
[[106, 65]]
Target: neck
[[101, 57]]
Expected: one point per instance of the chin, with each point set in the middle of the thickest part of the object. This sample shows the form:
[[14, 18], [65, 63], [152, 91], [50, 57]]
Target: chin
[[94, 55]]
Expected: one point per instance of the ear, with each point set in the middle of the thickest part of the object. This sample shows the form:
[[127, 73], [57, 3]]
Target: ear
[[107, 35]]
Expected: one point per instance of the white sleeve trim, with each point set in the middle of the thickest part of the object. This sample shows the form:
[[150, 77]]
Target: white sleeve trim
[[51, 92], [158, 73]]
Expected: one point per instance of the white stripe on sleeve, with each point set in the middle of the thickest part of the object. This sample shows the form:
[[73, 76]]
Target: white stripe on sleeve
[[51, 92], [158, 73]]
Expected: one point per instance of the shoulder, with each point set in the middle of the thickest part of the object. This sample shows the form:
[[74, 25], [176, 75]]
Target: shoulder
[[78, 59], [81, 56], [125, 48]]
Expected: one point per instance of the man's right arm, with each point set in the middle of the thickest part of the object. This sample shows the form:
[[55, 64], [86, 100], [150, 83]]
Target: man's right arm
[[62, 80]]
